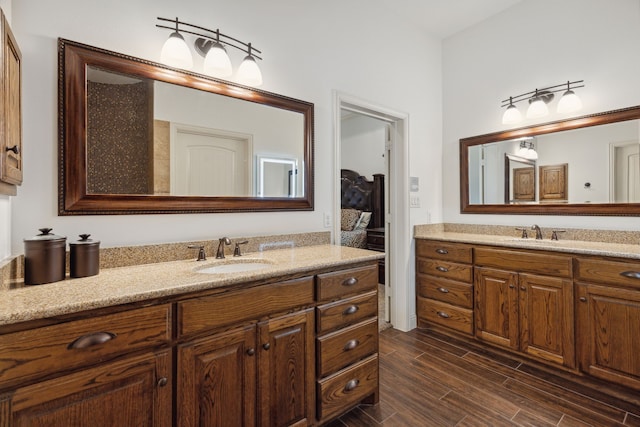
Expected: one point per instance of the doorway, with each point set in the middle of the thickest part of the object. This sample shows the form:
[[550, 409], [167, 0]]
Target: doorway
[[399, 294]]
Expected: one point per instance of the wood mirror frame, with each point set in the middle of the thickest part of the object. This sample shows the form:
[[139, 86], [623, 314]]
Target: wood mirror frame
[[73, 198], [613, 209]]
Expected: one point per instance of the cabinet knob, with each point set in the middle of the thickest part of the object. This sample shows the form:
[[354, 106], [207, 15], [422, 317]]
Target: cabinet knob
[[163, 382], [350, 345], [15, 149], [350, 281], [631, 274], [583, 299], [444, 290], [266, 346], [251, 351], [522, 288], [442, 251], [351, 385], [443, 315], [90, 340], [351, 310], [442, 269], [512, 286]]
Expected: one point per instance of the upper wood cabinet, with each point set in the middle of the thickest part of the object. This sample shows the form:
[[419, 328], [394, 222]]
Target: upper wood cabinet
[[10, 111]]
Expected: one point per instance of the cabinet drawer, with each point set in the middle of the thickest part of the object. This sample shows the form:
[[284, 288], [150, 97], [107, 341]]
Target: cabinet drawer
[[36, 352], [375, 240], [346, 346], [609, 272], [525, 261], [344, 389], [345, 282], [457, 318], [448, 270], [345, 312], [456, 293], [212, 311], [447, 251]]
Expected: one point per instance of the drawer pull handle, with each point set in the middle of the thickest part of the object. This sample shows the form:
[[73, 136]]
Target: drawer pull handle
[[442, 251], [350, 281], [631, 274], [15, 149], [351, 345], [443, 315], [444, 290], [163, 382], [351, 385], [351, 310], [266, 346], [442, 269], [90, 340], [583, 299], [251, 351]]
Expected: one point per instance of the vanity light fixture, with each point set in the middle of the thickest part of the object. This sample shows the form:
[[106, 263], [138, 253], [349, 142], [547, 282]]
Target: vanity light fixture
[[538, 100], [211, 44], [527, 149]]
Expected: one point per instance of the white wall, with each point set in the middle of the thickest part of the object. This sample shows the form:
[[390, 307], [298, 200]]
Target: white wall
[[5, 201], [310, 49], [534, 44], [362, 147]]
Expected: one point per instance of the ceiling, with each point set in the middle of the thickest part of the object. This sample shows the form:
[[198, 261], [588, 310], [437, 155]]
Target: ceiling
[[443, 18]]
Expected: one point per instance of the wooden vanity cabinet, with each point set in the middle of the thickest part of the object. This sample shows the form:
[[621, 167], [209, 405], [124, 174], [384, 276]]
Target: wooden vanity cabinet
[[608, 319], [10, 111], [444, 281], [524, 301]]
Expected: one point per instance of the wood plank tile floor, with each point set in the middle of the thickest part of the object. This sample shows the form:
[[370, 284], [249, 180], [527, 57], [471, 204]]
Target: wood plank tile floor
[[428, 378]]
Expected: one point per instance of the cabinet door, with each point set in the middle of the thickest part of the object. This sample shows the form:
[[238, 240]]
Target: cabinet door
[[607, 328], [217, 380], [10, 108], [287, 370], [132, 392], [496, 302], [546, 318]]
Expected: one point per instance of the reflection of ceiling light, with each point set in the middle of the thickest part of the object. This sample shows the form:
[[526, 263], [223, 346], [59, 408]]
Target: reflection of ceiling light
[[210, 44], [538, 100], [527, 150]]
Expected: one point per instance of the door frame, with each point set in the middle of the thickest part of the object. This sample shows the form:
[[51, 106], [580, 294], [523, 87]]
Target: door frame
[[400, 297]]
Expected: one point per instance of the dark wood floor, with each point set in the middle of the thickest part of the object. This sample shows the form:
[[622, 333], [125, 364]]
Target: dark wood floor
[[430, 379]]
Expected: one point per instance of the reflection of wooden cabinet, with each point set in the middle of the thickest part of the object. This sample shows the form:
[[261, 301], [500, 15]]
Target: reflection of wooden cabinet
[[553, 183], [608, 310], [10, 112], [532, 313], [524, 184]]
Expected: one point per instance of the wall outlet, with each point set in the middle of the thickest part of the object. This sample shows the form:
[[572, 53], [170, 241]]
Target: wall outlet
[[414, 202], [326, 218]]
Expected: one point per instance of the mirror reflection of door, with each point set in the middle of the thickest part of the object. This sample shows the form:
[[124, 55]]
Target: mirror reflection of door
[[210, 162], [524, 184], [625, 172], [554, 183]]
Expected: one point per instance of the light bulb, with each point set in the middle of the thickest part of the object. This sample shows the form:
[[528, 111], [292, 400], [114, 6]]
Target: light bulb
[[249, 72], [537, 109], [176, 53], [217, 62], [569, 102], [511, 115]]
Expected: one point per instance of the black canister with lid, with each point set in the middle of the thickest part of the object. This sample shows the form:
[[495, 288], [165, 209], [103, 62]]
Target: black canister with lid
[[84, 257], [44, 258]]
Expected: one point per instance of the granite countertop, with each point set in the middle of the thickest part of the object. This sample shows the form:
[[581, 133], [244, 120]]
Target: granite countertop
[[124, 285], [622, 250]]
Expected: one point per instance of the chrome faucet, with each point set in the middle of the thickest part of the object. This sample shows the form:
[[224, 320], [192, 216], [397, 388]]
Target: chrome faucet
[[538, 231], [220, 252]]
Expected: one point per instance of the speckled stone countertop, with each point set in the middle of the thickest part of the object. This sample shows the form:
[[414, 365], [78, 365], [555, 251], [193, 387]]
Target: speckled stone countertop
[[622, 250], [122, 285]]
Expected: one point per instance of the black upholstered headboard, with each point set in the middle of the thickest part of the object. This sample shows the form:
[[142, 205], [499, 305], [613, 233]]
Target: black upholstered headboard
[[359, 193]]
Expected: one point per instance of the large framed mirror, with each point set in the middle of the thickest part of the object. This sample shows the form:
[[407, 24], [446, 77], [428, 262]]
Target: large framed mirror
[[588, 165], [139, 137]]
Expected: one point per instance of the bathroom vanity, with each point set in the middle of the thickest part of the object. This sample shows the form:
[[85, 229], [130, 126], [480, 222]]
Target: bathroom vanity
[[293, 343], [574, 305]]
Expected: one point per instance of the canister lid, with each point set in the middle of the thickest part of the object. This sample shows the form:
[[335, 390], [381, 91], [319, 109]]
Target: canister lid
[[45, 234], [85, 240]]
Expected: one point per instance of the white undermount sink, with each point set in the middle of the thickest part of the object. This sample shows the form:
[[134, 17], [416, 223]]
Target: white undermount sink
[[235, 267]]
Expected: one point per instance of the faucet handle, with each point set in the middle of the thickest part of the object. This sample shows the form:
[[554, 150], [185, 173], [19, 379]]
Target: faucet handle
[[202, 256], [236, 251], [524, 232], [554, 234]]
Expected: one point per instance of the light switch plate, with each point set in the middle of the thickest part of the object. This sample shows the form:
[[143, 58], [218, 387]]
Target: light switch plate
[[414, 202]]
